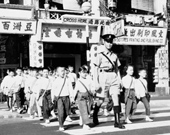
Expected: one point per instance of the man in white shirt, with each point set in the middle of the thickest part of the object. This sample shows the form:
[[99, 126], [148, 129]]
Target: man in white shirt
[[61, 95]]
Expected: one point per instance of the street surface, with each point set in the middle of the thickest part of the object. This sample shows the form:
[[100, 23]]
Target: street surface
[[27, 126]]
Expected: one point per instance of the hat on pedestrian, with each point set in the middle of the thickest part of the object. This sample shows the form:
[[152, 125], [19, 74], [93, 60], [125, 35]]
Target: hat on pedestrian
[[108, 37]]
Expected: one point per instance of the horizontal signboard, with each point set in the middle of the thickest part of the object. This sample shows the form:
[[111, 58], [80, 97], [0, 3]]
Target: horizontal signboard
[[68, 33], [90, 20], [143, 36], [17, 26]]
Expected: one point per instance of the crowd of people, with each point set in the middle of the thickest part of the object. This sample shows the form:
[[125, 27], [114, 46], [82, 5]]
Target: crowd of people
[[45, 92]]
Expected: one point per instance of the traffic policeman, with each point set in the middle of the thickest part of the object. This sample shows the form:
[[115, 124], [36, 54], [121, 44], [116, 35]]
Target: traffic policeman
[[107, 79]]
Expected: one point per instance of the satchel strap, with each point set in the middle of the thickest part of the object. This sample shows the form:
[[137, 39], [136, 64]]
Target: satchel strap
[[85, 87], [129, 90], [143, 85], [44, 90], [62, 87], [113, 66]]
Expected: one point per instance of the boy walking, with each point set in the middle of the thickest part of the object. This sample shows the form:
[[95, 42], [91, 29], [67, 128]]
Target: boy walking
[[141, 91], [19, 90], [61, 95]]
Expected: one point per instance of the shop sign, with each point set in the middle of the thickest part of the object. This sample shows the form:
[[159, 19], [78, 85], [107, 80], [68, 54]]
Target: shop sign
[[69, 33], [116, 28], [36, 52], [143, 36], [162, 64], [17, 26], [162, 55], [90, 20]]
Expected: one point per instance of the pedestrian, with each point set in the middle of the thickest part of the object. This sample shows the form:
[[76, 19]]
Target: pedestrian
[[107, 79], [128, 82], [19, 90], [141, 89], [7, 86], [62, 94], [44, 97], [33, 90], [72, 75], [27, 78], [83, 96]]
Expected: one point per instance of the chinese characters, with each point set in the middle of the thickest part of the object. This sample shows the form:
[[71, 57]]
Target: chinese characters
[[12, 26], [69, 32]]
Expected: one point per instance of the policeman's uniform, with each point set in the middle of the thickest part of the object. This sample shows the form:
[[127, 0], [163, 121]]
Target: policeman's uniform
[[108, 79]]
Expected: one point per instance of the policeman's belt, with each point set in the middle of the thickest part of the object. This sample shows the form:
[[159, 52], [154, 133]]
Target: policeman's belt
[[132, 89], [107, 70]]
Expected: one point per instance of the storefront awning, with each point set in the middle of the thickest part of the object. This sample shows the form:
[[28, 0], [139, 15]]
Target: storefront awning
[[58, 1]]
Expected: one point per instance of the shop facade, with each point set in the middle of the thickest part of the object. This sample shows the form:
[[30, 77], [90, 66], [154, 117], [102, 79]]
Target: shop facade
[[148, 48], [17, 23], [64, 42], [59, 37]]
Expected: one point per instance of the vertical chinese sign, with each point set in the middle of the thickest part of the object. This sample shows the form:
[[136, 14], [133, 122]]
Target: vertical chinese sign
[[3, 40], [162, 63], [36, 52]]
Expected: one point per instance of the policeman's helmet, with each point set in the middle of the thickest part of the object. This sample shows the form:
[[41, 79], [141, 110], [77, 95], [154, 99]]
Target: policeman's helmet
[[108, 37]]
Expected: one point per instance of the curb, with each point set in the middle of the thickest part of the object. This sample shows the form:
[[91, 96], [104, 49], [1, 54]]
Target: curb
[[10, 116]]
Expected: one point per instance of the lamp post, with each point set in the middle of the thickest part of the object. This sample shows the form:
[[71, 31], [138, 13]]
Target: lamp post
[[86, 7]]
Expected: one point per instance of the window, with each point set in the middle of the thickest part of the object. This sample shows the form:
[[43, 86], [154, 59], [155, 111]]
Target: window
[[146, 5]]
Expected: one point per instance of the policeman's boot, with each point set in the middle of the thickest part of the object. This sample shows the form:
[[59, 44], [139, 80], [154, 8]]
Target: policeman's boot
[[95, 114], [117, 118]]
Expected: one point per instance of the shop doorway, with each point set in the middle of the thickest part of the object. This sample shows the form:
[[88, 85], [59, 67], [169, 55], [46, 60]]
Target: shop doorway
[[55, 60]]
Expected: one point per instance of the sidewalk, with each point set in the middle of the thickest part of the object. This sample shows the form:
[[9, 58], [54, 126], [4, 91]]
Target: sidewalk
[[156, 102], [5, 113]]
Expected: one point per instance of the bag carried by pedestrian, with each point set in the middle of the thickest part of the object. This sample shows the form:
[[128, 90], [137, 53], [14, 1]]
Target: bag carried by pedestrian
[[88, 97], [147, 95], [122, 96], [9, 91], [41, 95]]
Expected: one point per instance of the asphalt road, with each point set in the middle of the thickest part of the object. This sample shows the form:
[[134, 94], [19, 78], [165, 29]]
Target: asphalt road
[[26, 126]]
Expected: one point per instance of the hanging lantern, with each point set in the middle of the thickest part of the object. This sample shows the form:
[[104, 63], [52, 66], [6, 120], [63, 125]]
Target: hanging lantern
[[86, 7]]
